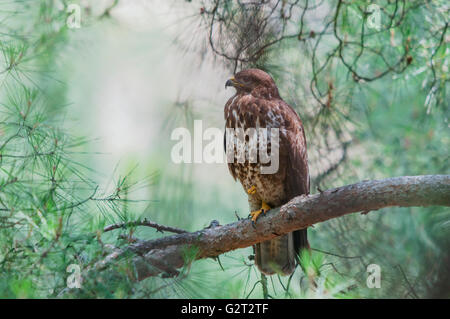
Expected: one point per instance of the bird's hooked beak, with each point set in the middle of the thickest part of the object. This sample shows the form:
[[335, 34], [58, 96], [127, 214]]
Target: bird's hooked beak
[[233, 82]]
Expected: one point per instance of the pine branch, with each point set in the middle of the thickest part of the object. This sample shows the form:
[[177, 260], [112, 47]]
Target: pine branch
[[301, 212]]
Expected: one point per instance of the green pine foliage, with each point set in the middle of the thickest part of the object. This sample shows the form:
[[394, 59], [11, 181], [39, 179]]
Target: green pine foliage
[[53, 207]]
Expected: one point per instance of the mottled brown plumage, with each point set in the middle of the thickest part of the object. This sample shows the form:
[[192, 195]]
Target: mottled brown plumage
[[257, 104]]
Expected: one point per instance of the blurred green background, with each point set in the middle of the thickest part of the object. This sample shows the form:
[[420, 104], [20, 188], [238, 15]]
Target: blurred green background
[[86, 116]]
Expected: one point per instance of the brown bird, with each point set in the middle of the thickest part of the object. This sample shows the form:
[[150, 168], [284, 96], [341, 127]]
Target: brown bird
[[257, 104]]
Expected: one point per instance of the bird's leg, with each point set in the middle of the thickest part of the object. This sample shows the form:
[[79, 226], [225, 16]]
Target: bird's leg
[[256, 213], [251, 190]]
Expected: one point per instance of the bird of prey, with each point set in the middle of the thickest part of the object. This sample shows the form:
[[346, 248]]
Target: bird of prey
[[257, 104]]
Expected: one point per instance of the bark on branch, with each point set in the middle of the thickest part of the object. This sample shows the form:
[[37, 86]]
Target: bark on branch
[[165, 255]]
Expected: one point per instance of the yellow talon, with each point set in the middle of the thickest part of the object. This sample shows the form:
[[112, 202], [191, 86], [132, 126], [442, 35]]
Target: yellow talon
[[265, 207], [256, 213], [251, 190]]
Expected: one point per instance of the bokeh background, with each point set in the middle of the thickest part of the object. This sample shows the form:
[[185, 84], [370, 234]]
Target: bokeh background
[[87, 114]]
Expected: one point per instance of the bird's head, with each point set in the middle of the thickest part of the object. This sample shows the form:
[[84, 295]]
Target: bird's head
[[254, 81]]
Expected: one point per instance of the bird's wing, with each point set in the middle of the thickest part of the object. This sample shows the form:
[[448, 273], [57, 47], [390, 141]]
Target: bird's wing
[[297, 173]]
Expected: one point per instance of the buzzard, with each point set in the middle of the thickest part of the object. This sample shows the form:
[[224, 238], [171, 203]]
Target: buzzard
[[257, 104]]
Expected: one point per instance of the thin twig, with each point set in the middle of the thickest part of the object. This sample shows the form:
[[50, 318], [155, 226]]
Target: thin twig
[[145, 222]]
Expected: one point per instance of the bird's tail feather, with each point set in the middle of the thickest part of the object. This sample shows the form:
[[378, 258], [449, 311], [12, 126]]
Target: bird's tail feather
[[301, 240], [279, 255]]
